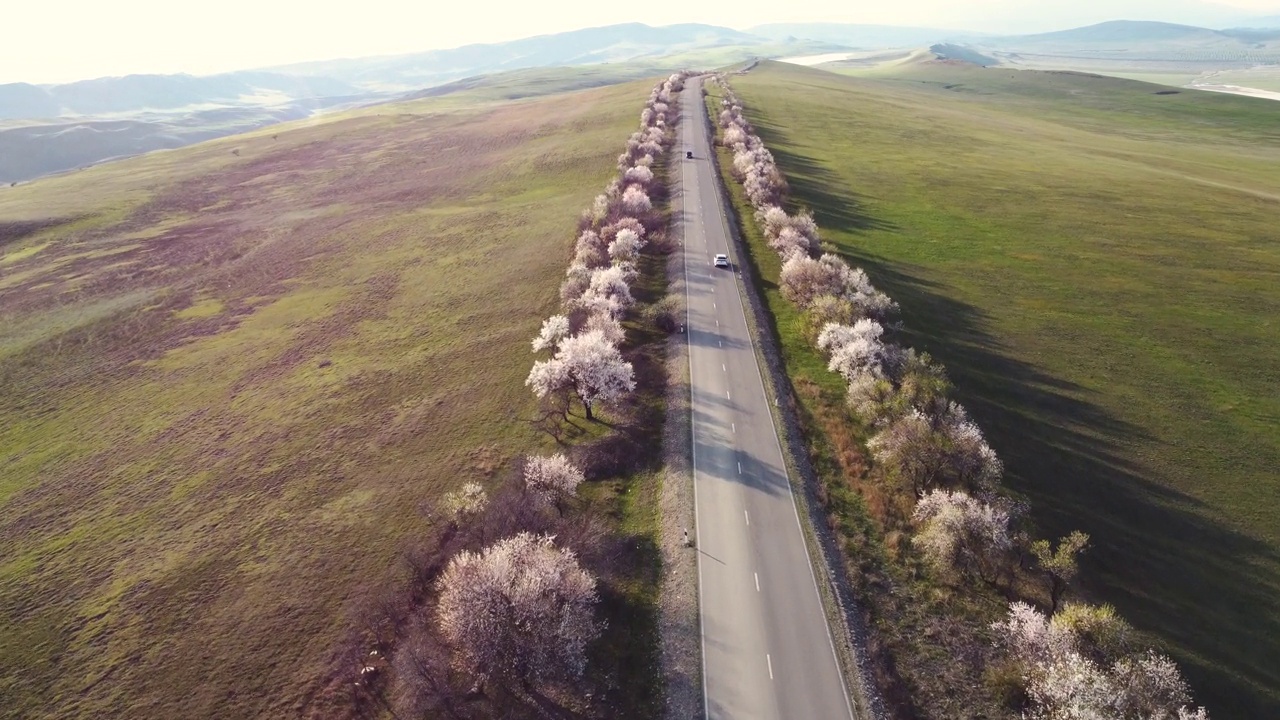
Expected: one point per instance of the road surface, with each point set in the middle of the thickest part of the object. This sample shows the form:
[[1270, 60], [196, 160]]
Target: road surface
[[767, 651]]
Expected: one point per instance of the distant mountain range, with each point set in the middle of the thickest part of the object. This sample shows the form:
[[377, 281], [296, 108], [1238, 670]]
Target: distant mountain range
[[1141, 35], [869, 37], [614, 43], [48, 128], [381, 77], [1125, 46], [136, 93], [1021, 17], [59, 127], [374, 77]]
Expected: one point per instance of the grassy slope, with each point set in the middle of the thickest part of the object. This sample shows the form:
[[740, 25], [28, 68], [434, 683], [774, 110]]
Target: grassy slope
[[1177, 74], [230, 382], [1096, 265]]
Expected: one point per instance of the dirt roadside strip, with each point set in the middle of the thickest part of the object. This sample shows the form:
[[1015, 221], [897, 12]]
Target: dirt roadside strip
[[678, 597]]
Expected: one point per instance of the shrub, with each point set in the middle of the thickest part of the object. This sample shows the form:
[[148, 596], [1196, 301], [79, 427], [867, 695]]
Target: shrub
[[856, 350], [466, 501], [640, 174], [554, 329], [666, 314], [1100, 632], [917, 384], [521, 610], [553, 480], [958, 532], [626, 246], [937, 451], [824, 310], [1067, 676], [635, 201], [1059, 565]]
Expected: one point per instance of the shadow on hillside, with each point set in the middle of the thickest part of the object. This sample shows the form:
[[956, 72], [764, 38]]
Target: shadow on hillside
[[816, 187], [1168, 568]]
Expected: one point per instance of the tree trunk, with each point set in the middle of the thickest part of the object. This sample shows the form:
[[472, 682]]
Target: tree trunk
[[587, 405], [1056, 588]]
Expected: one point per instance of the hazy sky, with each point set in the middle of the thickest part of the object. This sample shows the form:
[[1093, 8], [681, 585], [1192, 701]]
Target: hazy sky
[[74, 39]]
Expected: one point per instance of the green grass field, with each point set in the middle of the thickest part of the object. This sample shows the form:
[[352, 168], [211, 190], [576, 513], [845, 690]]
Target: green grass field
[[1097, 266], [235, 375]]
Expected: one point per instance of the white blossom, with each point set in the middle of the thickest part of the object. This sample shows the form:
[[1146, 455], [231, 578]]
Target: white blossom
[[521, 609], [636, 201], [552, 479], [640, 174], [626, 246], [608, 291], [554, 329], [588, 365], [468, 500], [955, 530]]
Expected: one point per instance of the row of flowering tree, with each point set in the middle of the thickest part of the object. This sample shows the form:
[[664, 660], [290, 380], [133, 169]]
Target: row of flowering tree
[[964, 526], [582, 342], [520, 612]]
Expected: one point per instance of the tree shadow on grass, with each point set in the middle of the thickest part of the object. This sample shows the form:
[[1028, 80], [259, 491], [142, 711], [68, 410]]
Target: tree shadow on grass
[[623, 654], [1156, 554], [820, 191], [1169, 566]]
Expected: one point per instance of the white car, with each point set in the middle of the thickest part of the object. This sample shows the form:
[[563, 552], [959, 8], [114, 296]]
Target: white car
[[722, 260]]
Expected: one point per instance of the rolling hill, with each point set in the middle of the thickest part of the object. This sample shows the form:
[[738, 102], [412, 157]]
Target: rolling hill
[[1093, 260], [858, 36], [1172, 54], [1270, 22], [1134, 42], [135, 93], [237, 375], [610, 44], [1138, 37], [62, 127]]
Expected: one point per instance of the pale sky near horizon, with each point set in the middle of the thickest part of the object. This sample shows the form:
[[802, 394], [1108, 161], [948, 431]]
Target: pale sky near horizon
[[50, 42]]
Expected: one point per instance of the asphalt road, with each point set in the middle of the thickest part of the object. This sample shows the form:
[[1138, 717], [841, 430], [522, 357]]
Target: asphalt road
[[767, 651]]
